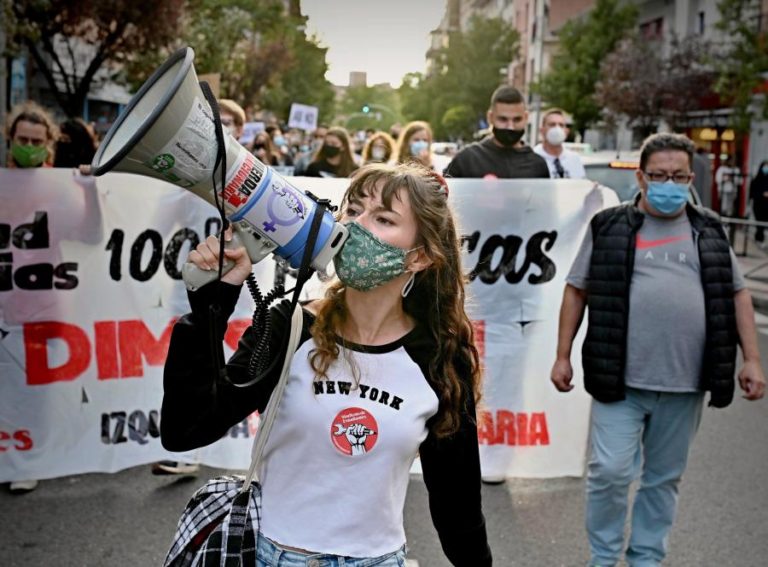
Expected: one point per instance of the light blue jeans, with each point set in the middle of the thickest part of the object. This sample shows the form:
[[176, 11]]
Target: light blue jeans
[[647, 435], [270, 554]]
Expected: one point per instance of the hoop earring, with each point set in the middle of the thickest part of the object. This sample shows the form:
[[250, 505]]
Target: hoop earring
[[408, 285]]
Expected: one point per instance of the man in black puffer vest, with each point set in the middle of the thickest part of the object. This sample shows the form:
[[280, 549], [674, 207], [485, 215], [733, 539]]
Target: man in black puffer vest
[[667, 308]]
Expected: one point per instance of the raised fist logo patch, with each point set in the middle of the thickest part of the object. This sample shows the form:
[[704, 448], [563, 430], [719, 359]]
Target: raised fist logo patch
[[354, 431]]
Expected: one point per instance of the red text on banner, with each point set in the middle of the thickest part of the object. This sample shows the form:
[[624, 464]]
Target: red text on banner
[[120, 349], [513, 428]]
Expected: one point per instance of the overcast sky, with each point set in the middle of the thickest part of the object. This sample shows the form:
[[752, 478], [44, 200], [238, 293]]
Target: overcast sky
[[384, 38]]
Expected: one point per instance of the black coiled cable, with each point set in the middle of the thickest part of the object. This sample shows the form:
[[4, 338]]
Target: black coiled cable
[[261, 323]]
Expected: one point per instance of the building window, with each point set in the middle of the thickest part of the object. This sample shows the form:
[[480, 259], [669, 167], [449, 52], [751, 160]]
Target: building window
[[653, 30], [702, 24]]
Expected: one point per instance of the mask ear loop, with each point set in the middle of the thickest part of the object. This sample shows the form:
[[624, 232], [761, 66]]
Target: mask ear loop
[[408, 285]]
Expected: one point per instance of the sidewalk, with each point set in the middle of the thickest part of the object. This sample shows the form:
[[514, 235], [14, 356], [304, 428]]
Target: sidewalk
[[754, 267]]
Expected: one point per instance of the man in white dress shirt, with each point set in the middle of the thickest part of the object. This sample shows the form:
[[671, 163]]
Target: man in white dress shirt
[[562, 163]]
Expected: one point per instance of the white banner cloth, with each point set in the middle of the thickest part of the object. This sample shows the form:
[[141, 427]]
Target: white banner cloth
[[90, 288]]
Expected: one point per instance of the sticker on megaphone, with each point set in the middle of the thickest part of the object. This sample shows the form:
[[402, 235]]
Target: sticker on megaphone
[[270, 212]]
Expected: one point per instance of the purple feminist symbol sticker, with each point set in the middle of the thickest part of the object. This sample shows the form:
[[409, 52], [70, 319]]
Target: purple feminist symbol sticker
[[284, 200]]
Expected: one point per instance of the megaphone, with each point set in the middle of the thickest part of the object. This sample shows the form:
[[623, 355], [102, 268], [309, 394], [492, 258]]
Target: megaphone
[[167, 131]]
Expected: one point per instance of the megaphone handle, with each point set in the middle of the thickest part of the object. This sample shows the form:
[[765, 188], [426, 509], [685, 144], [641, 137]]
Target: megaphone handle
[[256, 246]]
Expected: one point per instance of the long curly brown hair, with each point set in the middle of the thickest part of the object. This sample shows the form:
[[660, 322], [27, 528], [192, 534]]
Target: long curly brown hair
[[436, 299]]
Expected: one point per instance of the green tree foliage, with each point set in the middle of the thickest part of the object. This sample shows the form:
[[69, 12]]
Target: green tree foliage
[[382, 104], [226, 37], [72, 40], [466, 73], [459, 122], [743, 63], [415, 96], [575, 70], [262, 54], [301, 78]]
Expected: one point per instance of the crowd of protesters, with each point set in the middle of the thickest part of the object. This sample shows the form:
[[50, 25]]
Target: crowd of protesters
[[35, 139], [653, 406]]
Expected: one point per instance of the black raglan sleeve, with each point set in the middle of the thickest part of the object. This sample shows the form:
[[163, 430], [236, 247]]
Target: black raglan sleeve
[[451, 468], [199, 406]]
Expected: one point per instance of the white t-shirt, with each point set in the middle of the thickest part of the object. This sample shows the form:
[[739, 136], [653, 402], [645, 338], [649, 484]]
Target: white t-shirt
[[571, 162], [362, 439]]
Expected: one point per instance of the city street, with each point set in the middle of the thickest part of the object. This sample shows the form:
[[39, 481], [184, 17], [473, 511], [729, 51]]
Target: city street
[[445, 157], [129, 518]]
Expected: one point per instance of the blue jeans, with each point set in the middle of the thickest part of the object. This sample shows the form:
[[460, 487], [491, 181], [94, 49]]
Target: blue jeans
[[270, 554], [647, 435]]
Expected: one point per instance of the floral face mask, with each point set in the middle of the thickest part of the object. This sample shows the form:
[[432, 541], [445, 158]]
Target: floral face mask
[[366, 262]]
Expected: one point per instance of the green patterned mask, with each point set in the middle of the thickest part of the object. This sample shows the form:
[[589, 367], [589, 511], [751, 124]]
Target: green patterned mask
[[28, 155], [366, 262]]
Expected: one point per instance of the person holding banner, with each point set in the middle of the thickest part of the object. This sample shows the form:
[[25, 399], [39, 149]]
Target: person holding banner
[[33, 134], [383, 371], [667, 309], [503, 155]]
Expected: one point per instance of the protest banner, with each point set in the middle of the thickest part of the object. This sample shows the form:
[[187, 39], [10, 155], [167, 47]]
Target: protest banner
[[90, 287]]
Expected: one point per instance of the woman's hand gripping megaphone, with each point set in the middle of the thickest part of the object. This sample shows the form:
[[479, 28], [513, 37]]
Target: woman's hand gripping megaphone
[[242, 249], [238, 264]]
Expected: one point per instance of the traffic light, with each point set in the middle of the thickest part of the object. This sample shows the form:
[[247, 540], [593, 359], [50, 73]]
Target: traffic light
[[366, 108]]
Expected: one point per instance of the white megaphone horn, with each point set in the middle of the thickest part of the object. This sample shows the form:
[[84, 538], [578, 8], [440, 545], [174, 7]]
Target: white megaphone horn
[[167, 132]]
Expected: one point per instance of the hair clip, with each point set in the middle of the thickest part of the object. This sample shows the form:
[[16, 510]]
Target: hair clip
[[441, 180]]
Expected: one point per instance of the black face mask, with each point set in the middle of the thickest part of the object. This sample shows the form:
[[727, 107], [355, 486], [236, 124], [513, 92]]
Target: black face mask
[[507, 137], [331, 151]]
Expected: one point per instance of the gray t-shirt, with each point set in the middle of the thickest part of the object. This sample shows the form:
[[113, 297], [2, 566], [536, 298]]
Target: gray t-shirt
[[667, 321]]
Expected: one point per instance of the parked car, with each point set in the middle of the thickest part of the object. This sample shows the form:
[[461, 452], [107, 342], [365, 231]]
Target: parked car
[[615, 171]]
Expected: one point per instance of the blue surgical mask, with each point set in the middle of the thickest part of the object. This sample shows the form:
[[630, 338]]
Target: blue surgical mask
[[418, 147], [667, 197], [764, 169], [279, 141]]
